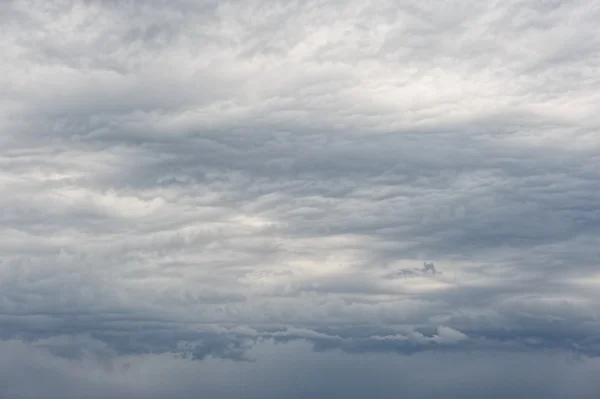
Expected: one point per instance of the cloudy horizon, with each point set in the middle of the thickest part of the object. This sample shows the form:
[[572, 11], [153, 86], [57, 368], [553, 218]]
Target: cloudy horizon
[[299, 199]]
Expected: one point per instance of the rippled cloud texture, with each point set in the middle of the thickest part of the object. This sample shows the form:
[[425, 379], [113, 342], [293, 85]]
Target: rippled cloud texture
[[298, 199]]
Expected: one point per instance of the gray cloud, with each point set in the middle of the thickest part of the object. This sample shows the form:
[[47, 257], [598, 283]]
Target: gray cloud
[[292, 371], [192, 181]]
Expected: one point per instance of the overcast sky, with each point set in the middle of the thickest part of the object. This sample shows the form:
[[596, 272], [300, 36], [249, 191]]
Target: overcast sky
[[241, 198]]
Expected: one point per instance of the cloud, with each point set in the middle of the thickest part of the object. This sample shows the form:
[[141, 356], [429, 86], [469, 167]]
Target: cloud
[[427, 269], [189, 183], [293, 371]]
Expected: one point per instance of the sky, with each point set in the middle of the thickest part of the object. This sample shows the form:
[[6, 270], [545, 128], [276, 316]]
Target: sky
[[299, 199]]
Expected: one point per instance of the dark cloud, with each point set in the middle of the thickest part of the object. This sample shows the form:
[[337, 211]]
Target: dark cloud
[[248, 191]]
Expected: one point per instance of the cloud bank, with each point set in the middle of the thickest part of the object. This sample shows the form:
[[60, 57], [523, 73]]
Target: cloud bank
[[226, 188]]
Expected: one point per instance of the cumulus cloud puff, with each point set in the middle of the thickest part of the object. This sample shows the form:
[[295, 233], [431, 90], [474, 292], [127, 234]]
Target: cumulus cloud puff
[[227, 188]]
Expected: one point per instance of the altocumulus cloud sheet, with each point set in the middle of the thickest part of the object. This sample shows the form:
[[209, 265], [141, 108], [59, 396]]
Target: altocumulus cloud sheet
[[299, 199]]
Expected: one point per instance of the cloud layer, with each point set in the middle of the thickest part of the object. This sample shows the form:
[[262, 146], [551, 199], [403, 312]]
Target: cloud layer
[[246, 180]]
